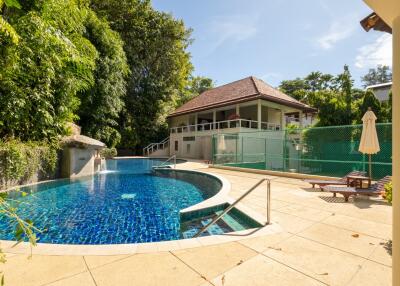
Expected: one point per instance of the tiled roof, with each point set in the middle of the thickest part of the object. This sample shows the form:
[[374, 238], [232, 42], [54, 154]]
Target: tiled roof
[[246, 89], [82, 140]]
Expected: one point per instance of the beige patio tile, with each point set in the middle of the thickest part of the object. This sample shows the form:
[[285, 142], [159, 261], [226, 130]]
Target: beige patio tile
[[290, 223], [94, 261], [358, 244], [324, 263], [39, 270], [261, 271], [305, 212], [158, 269], [213, 260], [382, 254], [189, 243], [82, 279], [371, 212], [277, 204], [262, 243], [372, 274], [371, 228]]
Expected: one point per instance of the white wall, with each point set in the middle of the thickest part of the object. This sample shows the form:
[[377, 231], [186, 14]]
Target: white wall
[[78, 162]]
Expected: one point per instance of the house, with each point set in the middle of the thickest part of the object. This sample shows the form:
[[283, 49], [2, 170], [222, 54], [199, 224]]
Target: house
[[248, 104], [381, 91]]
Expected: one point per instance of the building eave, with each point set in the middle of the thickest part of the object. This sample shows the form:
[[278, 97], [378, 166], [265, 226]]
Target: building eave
[[373, 21], [301, 107]]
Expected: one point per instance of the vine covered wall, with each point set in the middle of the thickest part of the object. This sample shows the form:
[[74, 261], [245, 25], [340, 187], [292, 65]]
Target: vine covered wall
[[22, 163]]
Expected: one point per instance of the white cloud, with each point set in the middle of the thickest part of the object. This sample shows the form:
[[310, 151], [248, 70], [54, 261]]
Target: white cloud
[[337, 32], [232, 29], [376, 53]]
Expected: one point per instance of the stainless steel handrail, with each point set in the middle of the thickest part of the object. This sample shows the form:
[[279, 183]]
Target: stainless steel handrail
[[217, 218], [166, 161]]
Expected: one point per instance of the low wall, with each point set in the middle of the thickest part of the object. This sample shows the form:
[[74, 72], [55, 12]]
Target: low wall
[[24, 163]]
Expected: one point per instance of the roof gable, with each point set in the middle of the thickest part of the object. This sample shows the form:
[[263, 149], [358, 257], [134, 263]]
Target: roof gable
[[246, 89]]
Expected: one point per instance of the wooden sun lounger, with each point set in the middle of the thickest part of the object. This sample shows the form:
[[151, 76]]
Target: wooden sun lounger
[[376, 189], [341, 181]]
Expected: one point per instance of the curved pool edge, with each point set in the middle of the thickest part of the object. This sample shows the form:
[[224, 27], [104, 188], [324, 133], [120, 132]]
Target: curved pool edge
[[221, 197], [136, 248]]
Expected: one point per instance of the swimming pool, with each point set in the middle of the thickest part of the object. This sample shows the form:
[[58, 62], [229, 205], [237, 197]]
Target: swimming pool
[[127, 203]]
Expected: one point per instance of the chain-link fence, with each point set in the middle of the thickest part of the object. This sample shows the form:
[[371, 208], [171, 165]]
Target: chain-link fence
[[329, 151]]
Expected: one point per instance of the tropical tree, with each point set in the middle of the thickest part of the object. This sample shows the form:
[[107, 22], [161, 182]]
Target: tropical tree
[[41, 75], [370, 101], [195, 86], [102, 103], [68, 66], [380, 74], [346, 86], [7, 32], [335, 97], [155, 45]]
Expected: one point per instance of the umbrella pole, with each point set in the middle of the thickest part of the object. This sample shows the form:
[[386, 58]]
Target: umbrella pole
[[370, 166]]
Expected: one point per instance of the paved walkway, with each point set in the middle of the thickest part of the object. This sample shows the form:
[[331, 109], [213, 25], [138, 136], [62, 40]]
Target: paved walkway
[[324, 242]]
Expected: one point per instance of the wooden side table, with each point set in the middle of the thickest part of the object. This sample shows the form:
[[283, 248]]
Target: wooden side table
[[358, 181]]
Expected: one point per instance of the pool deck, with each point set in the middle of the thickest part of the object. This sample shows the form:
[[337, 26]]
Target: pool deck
[[317, 240]]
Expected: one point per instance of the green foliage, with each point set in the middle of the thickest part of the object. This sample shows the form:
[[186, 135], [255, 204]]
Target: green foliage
[[101, 104], [388, 192], [108, 153], [337, 101], [380, 74], [370, 101], [117, 68], [155, 45], [195, 86], [7, 32], [42, 75], [20, 161], [23, 228], [292, 128]]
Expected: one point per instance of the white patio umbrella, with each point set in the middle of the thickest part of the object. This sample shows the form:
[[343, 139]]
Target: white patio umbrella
[[221, 143], [369, 143]]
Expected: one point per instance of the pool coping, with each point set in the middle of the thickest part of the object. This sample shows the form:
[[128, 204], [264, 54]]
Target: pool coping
[[221, 197]]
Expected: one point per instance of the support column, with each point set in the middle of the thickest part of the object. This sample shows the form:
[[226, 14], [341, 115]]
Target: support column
[[238, 109], [259, 114], [196, 121], [214, 118], [283, 122], [301, 119], [396, 151]]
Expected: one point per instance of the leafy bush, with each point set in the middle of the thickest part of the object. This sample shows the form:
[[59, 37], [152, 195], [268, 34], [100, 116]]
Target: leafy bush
[[108, 153], [292, 128], [388, 192], [20, 161]]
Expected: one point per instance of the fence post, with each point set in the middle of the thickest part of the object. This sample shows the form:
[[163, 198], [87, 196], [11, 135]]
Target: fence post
[[236, 153], [213, 152], [265, 155], [242, 148]]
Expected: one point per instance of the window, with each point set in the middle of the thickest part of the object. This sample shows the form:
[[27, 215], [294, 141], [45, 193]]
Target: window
[[176, 145]]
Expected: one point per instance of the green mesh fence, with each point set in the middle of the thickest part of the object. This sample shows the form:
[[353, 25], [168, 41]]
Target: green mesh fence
[[329, 151]]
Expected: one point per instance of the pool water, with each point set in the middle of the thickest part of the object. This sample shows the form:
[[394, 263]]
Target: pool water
[[125, 204], [234, 220]]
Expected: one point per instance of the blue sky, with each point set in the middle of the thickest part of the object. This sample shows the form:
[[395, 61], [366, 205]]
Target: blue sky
[[278, 39]]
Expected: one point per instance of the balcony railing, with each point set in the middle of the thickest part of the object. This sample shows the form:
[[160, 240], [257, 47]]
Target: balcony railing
[[226, 124]]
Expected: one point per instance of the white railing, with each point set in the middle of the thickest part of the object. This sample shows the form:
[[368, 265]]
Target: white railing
[[152, 147], [226, 124], [218, 217]]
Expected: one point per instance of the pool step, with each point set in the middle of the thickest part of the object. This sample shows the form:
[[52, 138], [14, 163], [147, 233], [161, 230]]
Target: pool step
[[230, 222]]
